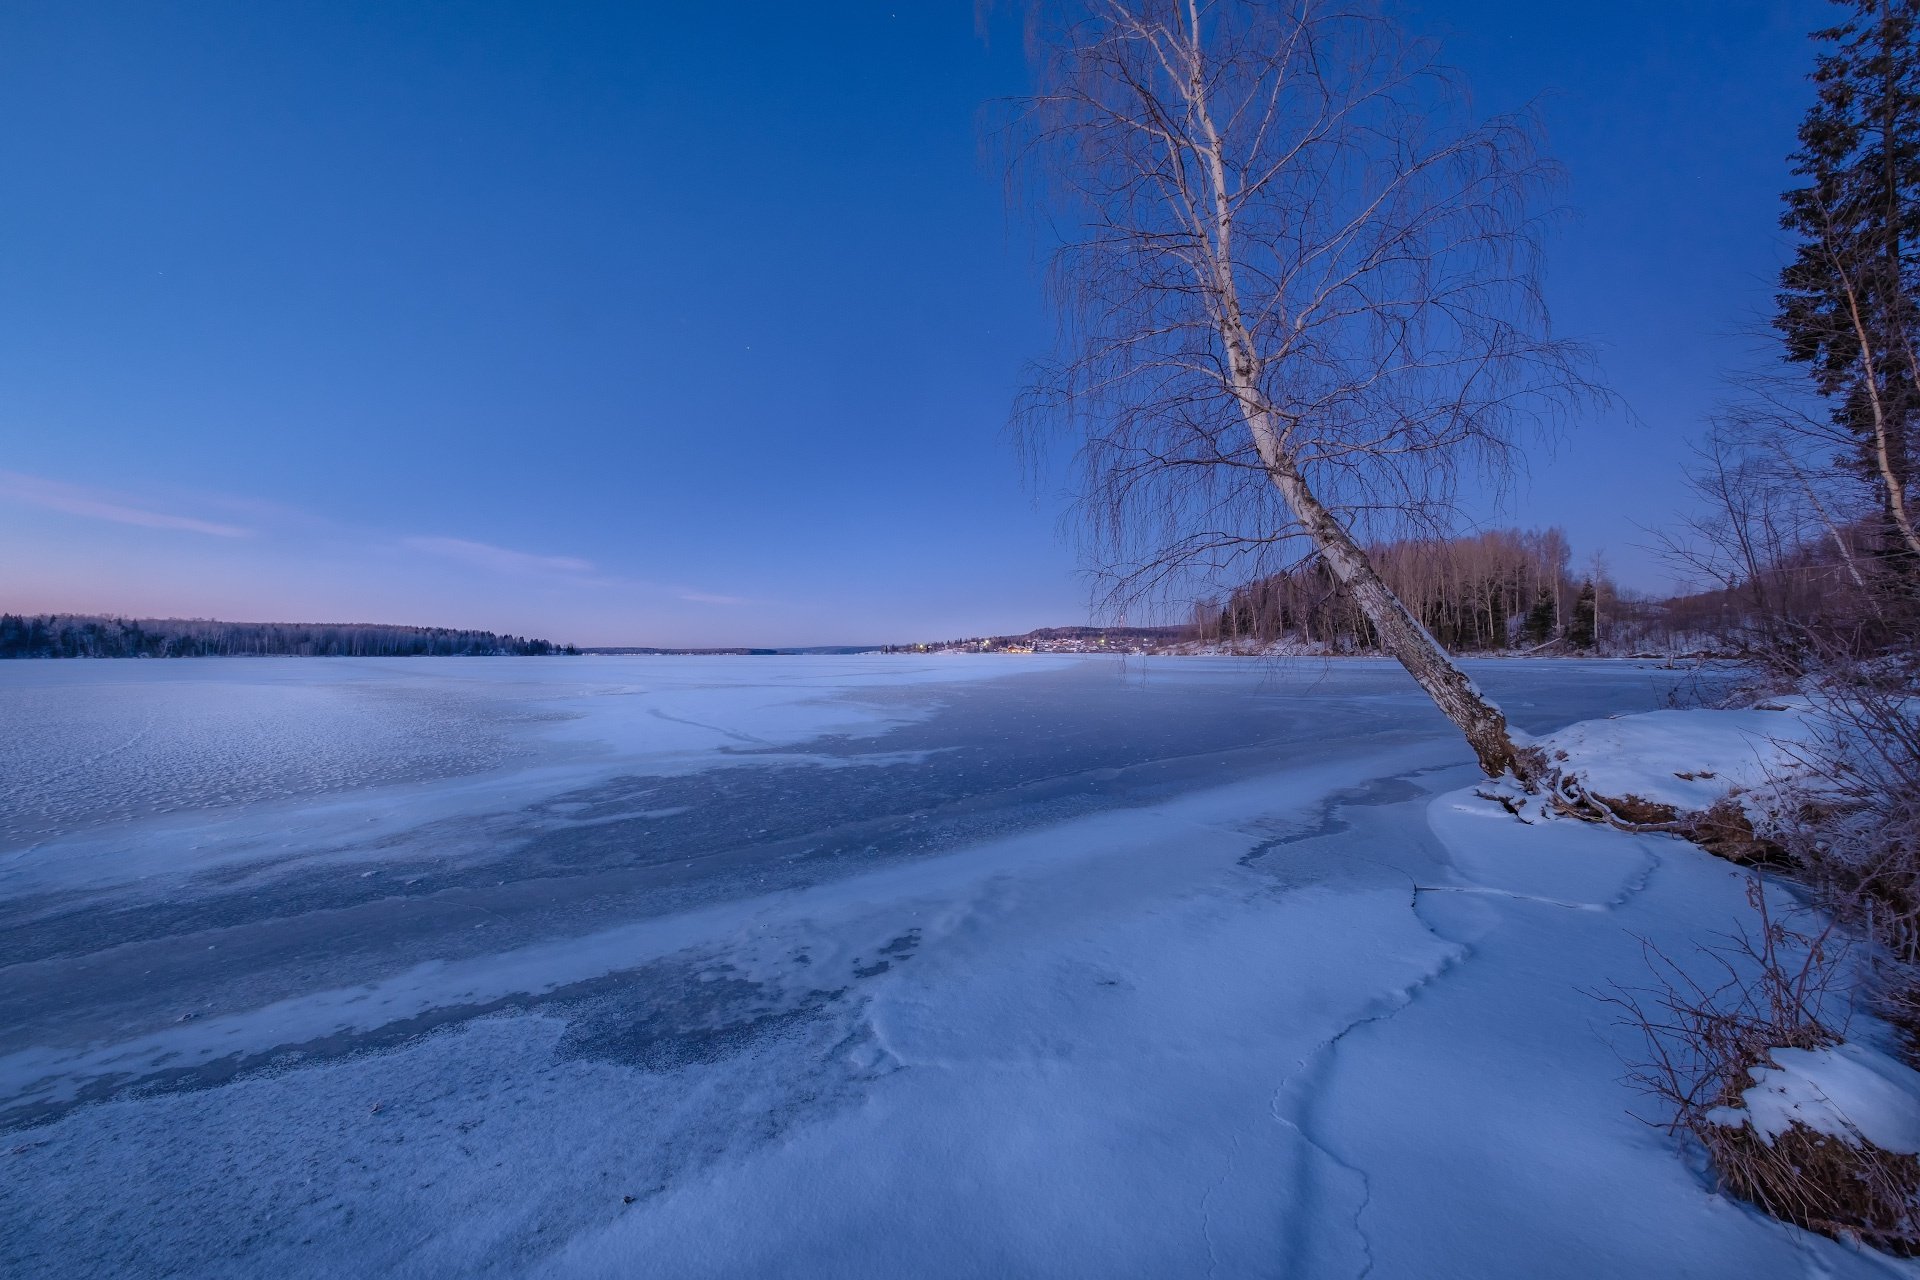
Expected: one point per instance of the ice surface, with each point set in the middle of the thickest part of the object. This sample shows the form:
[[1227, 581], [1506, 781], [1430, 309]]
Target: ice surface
[[832, 967], [99, 742]]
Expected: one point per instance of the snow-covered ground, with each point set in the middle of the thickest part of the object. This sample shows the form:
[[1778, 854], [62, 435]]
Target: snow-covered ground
[[872, 966], [1688, 759]]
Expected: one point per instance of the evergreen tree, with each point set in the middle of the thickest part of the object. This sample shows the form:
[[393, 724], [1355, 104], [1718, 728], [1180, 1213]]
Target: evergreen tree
[[1847, 300], [1540, 619], [1581, 630]]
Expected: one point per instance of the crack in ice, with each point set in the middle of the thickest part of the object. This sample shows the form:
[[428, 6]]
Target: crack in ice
[[1313, 1067]]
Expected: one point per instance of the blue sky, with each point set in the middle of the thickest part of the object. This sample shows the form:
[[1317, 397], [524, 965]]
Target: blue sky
[[692, 324]]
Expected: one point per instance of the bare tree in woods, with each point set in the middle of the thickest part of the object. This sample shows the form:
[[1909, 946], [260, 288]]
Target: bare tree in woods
[[1301, 296], [1488, 591]]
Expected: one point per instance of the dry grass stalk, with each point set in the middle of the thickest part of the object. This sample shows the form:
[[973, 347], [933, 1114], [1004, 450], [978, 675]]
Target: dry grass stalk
[[1776, 988]]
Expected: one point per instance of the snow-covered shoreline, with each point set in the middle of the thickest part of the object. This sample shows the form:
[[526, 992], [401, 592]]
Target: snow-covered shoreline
[[1329, 1018]]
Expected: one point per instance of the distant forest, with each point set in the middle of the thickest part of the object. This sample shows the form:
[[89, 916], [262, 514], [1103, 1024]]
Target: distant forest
[[1497, 591], [68, 635]]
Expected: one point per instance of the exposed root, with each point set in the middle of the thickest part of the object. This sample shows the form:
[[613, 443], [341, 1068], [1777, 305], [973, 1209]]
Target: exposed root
[[1723, 829], [1567, 797]]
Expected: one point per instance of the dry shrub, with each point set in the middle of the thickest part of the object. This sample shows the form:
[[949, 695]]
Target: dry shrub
[[1864, 845], [1856, 839], [1725, 831], [1840, 1189], [1773, 988], [1896, 998]]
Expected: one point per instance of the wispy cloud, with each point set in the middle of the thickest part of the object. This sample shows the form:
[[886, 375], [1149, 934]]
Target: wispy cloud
[[499, 559], [94, 504], [702, 597]]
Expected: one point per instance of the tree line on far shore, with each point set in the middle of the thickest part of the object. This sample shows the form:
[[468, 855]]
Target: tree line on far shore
[[67, 635], [1511, 589], [1502, 589]]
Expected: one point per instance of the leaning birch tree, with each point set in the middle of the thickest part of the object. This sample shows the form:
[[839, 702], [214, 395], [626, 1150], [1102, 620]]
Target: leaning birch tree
[[1300, 294]]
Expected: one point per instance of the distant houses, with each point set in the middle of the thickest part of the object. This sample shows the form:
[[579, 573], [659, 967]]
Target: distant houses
[[1064, 640]]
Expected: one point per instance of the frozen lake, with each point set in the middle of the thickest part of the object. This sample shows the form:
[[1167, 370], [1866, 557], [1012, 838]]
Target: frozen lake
[[870, 966]]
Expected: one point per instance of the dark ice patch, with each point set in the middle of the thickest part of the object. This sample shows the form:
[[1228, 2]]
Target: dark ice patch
[[664, 1022], [1327, 819]]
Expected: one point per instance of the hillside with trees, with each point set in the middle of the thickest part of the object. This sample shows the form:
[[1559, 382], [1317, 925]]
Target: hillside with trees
[[68, 635], [1503, 590]]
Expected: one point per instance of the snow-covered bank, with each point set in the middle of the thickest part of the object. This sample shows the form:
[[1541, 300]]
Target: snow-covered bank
[[1687, 761], [1307, 1007], [1846, 1091], [1748, 1045]]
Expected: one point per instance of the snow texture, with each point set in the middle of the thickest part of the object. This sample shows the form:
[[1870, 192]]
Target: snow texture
[[1846, 1091], [1687, 759], [836, 967]]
